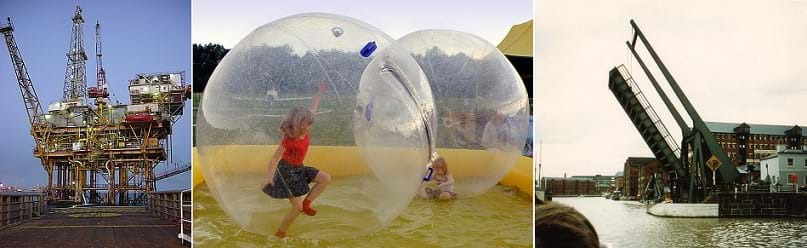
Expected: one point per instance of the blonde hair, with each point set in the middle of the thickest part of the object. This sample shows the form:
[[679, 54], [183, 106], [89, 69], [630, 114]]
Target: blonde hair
[[440, 163], [292, 124]]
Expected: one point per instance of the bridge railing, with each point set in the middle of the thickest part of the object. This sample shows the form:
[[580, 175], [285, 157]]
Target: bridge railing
[[17, 207], [651, 112]]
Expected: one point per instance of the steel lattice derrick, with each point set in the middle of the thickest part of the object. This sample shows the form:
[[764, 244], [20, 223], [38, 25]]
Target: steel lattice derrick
[[75, 79]]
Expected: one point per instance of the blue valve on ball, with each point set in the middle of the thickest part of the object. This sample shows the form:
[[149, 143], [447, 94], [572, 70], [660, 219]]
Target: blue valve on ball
[[368, 111], [429, 174], [368, 49]]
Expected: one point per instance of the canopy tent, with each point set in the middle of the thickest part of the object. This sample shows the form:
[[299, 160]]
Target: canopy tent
[[518, 42], [517, 47]]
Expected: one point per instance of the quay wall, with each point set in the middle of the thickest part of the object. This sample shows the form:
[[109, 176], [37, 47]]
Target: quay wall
[[762, 204]]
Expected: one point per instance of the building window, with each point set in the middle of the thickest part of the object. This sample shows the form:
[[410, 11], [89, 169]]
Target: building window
[[789, 162]]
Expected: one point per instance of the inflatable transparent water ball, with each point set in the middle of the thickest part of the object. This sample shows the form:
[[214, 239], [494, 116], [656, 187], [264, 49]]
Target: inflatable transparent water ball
[[394, 119], [481, 104], [276, 67]]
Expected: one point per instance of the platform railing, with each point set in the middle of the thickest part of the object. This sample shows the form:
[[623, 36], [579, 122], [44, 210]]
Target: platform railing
[[186, 219], [173, 205], [165, 204], [17, 207]]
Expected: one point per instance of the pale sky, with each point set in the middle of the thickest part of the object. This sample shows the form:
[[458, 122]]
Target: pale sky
[[227, 22], [735, 61]]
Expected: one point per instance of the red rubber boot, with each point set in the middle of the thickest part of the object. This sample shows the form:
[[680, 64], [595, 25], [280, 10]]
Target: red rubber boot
[[307, 208]]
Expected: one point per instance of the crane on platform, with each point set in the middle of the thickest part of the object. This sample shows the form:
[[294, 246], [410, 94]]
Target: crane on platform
[[100, 91], [29, 97]]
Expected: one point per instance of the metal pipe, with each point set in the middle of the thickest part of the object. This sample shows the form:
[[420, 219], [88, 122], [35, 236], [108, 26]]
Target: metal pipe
[[79, 177]]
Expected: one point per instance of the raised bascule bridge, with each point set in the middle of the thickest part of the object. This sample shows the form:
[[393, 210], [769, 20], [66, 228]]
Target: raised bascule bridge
[[692, 168], [93, 150]]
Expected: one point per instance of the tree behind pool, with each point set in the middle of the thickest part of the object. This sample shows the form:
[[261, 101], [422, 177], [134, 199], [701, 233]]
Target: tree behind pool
[[205, 59]]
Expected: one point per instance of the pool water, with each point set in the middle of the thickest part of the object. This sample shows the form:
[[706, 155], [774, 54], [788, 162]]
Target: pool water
[[500, 217]]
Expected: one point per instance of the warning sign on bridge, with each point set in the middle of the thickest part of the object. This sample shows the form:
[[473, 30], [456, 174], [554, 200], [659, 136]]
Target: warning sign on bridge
[[713, 163]]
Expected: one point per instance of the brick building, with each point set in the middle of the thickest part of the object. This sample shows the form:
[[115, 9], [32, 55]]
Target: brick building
[[637, 173], [560, 186], [749, 143], [601, 183], [619, 181]]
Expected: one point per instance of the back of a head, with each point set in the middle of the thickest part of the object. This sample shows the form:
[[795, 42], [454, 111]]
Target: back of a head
[[558, 225], [293, 122]]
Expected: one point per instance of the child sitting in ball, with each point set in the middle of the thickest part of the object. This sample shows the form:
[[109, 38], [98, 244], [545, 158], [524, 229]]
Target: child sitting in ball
[[288, 178], [444, 180]]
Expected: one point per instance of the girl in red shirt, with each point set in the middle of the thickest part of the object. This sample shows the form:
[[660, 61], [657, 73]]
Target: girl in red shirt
[[288, 178]]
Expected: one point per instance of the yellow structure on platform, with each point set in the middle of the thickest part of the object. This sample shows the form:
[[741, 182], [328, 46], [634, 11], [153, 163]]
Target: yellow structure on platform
[[346, 160]]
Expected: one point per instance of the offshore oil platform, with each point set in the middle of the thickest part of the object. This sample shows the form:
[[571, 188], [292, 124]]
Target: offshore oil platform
[[95, 151]]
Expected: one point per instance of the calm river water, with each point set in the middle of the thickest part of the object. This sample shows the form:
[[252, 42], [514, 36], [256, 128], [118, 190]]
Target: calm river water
[[626, 224]]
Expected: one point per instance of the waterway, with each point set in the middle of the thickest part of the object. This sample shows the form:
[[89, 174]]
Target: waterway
[[626, 224]]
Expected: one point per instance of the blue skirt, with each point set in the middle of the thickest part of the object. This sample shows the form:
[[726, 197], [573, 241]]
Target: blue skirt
[[290, 179]]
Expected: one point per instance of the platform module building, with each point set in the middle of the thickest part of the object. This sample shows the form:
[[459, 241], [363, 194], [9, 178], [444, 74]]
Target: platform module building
[[111, 148]]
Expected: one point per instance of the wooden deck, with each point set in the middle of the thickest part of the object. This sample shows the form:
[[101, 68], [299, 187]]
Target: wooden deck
[[94, 227]]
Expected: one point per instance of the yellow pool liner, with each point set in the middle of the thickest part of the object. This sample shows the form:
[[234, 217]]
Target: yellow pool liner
[[346, 160]]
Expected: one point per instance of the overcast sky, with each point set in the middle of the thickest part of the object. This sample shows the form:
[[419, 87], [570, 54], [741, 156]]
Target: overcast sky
[[138, 37], [227, 22], [736, 61]]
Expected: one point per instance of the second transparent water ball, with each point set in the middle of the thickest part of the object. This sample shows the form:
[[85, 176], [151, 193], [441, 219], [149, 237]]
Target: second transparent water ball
[[481, 104], [394, 119]]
